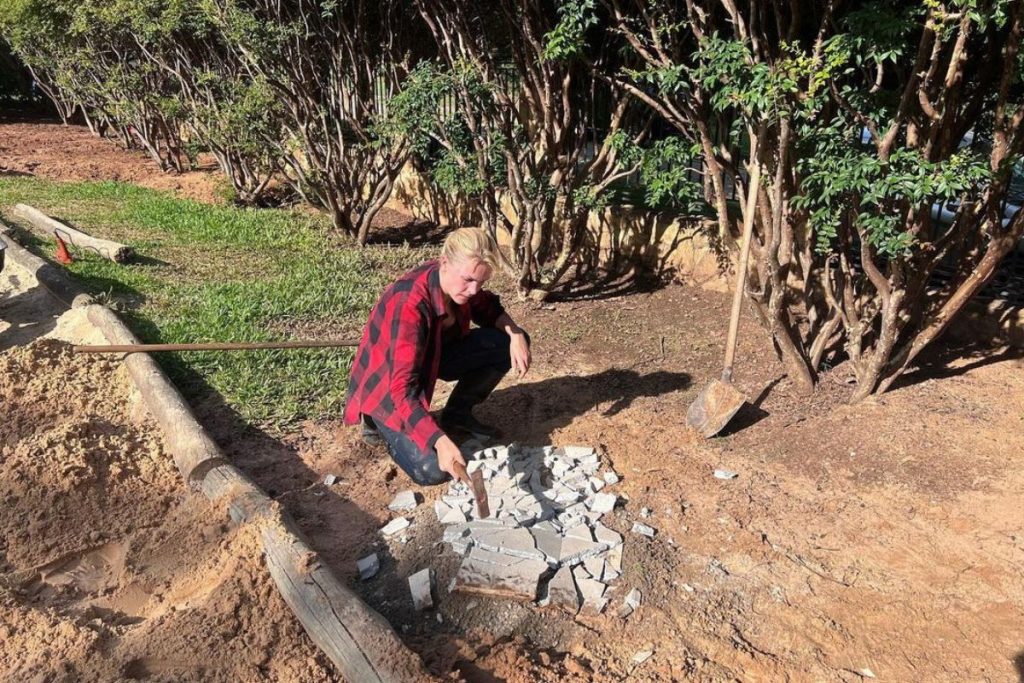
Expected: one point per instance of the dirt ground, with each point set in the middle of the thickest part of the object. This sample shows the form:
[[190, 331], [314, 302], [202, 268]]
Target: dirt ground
[[878, 541], [109, 569]]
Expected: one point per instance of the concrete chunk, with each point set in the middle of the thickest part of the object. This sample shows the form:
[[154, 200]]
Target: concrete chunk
[[548, 541], [603, 502], [575, 550], [394, 526], [403, 502], [454, 516], [504, 576], [368, 567], [613, 564], [594, 566], [514, 541], [643, 530], [610, 477], [441, 509], [591, 591], [562, 591], [578, 452], [462, 545], [419, 586], [605, 535]]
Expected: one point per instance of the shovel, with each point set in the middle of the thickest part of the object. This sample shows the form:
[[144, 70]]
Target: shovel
[[720, 400]]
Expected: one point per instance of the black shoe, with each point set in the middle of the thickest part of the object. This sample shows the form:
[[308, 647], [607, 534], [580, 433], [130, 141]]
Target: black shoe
[[372, 438], [467, 423]]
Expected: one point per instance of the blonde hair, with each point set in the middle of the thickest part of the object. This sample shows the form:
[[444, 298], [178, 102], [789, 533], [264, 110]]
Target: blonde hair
[[470, 244]]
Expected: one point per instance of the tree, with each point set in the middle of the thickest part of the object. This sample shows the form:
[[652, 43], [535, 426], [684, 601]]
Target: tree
[[224, 111], [858, 117], [85, 57], [331, 66], [527, 126]]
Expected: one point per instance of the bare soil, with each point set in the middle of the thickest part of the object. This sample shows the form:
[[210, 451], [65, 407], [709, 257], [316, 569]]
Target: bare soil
[[109, 569], [882, 539]]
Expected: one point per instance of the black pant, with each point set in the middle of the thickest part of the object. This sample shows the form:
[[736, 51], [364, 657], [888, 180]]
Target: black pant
[[477, 362]]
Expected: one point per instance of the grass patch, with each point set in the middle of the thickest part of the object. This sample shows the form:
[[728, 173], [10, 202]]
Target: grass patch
[[223, 273]]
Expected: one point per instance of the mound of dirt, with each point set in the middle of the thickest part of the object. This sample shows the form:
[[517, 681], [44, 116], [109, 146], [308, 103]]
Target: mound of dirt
[[109, 570]]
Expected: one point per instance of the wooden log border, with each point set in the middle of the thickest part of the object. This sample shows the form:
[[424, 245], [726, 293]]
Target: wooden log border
[[357, 639], [47, 227]]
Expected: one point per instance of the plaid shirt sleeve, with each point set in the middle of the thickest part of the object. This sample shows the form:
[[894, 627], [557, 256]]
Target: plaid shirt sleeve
[[485, 308], [410, 327]]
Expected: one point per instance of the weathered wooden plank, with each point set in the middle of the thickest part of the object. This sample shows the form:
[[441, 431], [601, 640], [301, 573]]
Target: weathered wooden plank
[[47, 227], [359, 642], [53, 278], [334, 617]]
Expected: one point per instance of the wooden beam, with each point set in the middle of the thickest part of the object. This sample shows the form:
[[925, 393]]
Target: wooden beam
[[360, 643], [48, 227], [54, 279]]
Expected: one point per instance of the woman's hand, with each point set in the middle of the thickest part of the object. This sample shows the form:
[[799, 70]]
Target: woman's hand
[[519, 350], [449, 458]]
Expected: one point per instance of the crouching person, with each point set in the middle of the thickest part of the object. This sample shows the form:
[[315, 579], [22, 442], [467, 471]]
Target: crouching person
[[418, 331]]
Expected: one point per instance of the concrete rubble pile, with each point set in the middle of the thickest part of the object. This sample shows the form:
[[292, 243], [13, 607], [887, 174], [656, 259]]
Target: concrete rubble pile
[[544, 540]]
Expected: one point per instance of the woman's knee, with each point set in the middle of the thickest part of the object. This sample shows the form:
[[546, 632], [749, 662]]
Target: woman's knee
[[427, 473]]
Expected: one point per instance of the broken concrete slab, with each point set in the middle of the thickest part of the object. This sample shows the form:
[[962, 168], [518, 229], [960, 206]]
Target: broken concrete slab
[[610, 478], [441, 509], [603, 534], [612, 564], [562, 592], [594, 566], [591, 591], [603, 502], [495, 574], [514, 541], [403, 502], [419, 587], [643, 530], [574, 550], [394, 526], [577, 452], [454, 516], [548, 541], [368, 567], [461, 546]]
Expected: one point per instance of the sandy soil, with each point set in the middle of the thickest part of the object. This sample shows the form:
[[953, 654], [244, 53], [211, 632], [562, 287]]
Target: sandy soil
[[109, 569], [878, 540]]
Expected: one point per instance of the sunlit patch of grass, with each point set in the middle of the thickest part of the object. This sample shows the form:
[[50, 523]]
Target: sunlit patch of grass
[[222, 273]]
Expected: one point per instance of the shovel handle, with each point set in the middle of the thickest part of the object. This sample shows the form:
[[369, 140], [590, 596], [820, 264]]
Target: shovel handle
[[741, 268]]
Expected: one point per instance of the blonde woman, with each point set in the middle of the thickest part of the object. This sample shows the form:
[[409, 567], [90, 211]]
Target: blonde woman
[[420, 330]]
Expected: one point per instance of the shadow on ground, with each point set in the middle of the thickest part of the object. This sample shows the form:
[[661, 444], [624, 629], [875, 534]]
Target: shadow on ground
[[28, 315], [550, 404], [936, 362]]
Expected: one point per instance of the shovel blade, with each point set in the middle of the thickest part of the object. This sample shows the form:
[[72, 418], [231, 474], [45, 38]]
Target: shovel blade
[[714, 407]]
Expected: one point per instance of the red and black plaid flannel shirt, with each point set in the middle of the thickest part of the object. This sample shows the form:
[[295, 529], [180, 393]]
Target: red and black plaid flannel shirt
[[396, 366]]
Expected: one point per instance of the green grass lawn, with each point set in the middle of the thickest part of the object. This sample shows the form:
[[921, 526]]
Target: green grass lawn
[[221, 273]]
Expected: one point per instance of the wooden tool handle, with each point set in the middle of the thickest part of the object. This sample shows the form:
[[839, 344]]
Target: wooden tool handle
[[741, 268], [213, 346]]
